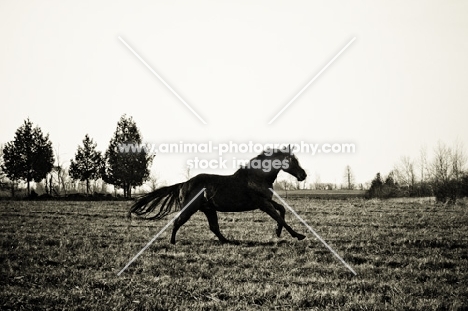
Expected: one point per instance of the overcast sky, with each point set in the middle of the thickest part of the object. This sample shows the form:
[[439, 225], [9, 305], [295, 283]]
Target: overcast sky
[[402, 84]]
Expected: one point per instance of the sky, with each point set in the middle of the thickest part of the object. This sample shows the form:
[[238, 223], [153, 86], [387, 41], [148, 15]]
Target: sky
[[401, 85]]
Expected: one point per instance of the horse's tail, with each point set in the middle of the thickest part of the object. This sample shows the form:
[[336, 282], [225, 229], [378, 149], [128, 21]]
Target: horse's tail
[[165, 198]]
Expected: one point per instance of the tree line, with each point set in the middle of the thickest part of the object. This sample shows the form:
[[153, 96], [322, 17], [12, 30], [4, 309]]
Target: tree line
[[29, 157], [444, 176], [349, 183]]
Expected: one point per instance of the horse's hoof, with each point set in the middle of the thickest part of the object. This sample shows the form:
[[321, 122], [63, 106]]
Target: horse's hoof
[[300, 237], [278, 233]]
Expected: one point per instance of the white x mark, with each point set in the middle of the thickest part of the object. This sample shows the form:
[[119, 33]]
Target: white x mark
[[310, 82], [162, 80], [274, 118]]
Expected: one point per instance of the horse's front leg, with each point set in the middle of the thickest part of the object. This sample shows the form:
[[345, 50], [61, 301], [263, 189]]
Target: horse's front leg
[[282, 212], [268, 207]]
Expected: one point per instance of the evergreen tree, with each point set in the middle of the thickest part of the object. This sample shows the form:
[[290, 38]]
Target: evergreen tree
[[88, 163], [126, 163], [375, 189], [390, 180], [384, 190], [29, 156]]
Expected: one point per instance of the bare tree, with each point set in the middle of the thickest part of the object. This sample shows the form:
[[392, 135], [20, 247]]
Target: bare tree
[[59, 173], [349, 178], [294, 184], [441, 166], [285, 185], [188, 173], [317, 182], [404, 172], [447, 169], [103, 188], [153, 181], [423, 164], [458, 159]]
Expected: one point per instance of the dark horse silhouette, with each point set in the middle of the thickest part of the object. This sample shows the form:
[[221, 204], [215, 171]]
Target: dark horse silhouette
[[245, 190]]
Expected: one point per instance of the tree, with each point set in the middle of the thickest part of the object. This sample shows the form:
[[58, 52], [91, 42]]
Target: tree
[[127, 164], [2, 174], [61, 173], [390, 180], [188, 173], [294, 183], [447, 170], [88, 163], [405, 172], [458, 159], [441, 165], [349, 178], [299, 184], [317, 182], [423, 167], [154, 181], [29, 156], [375, 189]]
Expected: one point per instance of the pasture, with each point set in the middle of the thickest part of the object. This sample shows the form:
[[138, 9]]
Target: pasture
[[409, 255]]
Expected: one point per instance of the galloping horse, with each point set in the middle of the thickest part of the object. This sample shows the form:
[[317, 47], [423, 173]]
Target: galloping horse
[[245, 190]]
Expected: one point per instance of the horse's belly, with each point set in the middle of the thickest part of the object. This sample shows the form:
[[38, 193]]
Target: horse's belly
[[226, 194], [235, 208], [234, 202]]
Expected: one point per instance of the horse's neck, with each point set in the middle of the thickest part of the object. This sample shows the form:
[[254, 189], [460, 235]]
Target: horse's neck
[[261, 177], [271, 179]]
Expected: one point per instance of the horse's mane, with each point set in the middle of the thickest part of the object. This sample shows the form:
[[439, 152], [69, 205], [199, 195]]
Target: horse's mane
[[244, 170]]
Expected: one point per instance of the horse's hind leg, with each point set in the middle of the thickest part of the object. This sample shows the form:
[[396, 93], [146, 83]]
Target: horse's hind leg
[[182, 219], [282, 212], [212, 217], [268, 208]]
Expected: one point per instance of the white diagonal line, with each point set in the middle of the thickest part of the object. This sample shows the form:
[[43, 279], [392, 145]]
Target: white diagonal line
[[313, 231], [162, 80], [313, 79], [159, 233]]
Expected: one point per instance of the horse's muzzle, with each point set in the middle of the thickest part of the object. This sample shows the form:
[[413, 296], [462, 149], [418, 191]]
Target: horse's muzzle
[[302, 177]]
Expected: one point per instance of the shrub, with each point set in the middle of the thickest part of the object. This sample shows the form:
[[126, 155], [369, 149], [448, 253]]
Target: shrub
[[451, 190]]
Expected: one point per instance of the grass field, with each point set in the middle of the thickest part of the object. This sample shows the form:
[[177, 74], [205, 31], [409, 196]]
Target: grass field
[[66, 255]]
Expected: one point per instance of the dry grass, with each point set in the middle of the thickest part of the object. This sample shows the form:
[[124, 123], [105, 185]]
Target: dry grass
[[65, 255]]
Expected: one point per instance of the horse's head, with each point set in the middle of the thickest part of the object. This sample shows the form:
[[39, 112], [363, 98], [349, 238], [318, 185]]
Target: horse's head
[[270, 162], [291, 166]]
